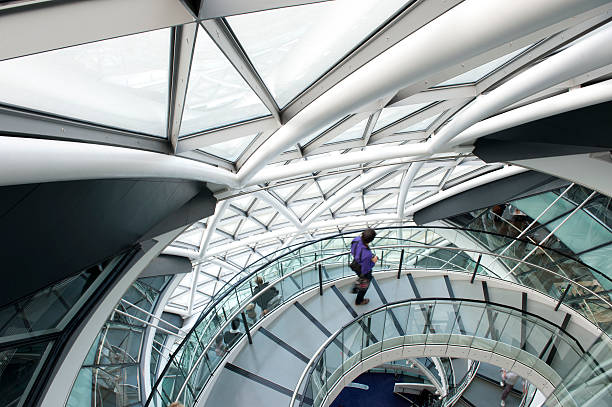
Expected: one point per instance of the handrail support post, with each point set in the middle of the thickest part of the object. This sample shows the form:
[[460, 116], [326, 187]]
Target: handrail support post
[[399, 269], [476, 269], [320, 280], [246, 328]]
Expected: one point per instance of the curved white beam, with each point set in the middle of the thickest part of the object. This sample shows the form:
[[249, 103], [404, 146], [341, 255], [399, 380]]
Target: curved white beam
[[405, 185], [465, 31], [274, 203], [572, 100], [586, 55], [28, 160]]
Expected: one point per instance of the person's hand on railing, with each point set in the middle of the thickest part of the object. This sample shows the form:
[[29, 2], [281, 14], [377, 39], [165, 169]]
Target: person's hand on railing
[[374, 259]]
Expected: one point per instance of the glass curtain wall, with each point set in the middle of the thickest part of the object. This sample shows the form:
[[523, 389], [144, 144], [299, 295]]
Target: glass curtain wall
[[111, 373], [30, 328]]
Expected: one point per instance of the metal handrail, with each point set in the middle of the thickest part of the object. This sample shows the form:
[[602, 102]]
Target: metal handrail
[[318, 261], [315, 358], [260, 293]]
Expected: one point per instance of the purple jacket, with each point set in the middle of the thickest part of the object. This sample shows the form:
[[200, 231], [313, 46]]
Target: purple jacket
[[363, 255]]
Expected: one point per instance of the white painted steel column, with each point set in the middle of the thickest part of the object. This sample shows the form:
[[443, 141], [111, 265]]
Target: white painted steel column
[[572, 100], [586, 55], [405, 185], [25, 161]]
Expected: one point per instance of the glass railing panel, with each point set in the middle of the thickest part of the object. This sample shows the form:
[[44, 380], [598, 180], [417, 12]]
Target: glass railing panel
[[441, 322], [352, 339], [468, 319], [374, 329], [491, 325], [416, 327], [395, 326], [318, 380]]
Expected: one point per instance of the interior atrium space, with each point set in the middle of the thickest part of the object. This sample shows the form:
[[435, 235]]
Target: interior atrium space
[[306, 203]]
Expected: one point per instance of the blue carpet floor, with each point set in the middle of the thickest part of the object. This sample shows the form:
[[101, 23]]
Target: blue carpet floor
[[380, 393]]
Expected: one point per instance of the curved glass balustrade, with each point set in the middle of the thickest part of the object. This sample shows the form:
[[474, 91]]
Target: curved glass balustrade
[[292, 273], [589, 381], [429, 322]]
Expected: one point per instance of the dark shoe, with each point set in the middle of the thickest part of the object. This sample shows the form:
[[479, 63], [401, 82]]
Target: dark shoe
[[364, 302]]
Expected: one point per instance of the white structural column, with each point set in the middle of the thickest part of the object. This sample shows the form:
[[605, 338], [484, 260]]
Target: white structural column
[[465, 31], [589, 54], [25, 160], [278, 206], [213, 220], [405, 185], [575, 99]]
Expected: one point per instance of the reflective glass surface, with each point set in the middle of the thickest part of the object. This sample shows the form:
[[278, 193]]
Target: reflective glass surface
[[110, 374], [481, 71], [354, 133], [393, 114], [291, 47], [216, 95], [121, 82], [230, 150]]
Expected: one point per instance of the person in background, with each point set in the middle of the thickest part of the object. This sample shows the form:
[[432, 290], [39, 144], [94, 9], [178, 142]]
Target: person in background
[[230, 337], [220, 347], [509, 379], [176, 404], [364, 261]]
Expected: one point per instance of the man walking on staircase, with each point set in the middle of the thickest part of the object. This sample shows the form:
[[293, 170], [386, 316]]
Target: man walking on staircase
[[363, 263], [509, 379]]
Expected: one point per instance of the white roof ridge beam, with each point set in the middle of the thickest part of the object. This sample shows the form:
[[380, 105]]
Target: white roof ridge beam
[[403, 153], [575, 99], [28, 160], [405, 186], [474, 25], [279, 207], [588, 54]]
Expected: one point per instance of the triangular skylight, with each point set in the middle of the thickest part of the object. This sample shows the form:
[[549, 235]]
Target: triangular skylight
[[121, 82], [230, 150], [217, 95], [481, 71], [354, 133], [291, 47], [393, 114], [422, 125]]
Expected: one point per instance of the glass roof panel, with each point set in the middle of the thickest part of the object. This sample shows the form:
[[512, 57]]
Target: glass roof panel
[[354, 133], [291, 47], [217, 95], [481, 71], [229, 150], [393, 114], [121, 82], [422, 125]]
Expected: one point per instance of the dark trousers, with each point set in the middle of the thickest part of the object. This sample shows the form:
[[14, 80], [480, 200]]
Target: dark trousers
[[507, 389], [363, 287]]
